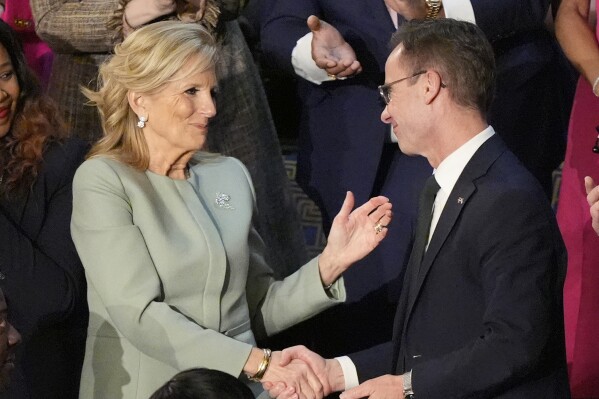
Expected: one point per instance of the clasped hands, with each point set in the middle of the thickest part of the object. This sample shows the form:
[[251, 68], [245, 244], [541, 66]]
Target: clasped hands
[[298, 373]]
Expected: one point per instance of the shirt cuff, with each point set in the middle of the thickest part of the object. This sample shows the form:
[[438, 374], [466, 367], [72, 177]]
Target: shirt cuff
[[350, 374], [407, 383], [459, 9], [303, 63]]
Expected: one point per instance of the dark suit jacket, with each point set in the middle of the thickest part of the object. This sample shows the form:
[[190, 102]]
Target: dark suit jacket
[[484, 317], [43, 280]]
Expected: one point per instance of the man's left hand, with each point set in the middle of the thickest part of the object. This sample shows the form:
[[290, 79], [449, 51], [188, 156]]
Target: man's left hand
[[385, 387]]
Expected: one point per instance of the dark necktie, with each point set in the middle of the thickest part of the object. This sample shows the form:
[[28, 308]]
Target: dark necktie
[[423, 226]]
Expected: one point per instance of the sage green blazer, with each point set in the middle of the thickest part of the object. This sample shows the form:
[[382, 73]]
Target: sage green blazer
[[175, 271]]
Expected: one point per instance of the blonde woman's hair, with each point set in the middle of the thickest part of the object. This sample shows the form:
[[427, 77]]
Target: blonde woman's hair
[[144, 62]]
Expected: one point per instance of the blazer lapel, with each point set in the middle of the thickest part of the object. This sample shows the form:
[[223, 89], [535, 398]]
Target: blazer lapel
[[462, 192]]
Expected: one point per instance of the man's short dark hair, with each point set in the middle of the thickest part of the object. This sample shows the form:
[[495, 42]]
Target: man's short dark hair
[[458, 50], [201, 383]]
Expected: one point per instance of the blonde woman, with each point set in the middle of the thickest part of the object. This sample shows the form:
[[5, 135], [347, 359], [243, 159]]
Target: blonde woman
[[176, 272]]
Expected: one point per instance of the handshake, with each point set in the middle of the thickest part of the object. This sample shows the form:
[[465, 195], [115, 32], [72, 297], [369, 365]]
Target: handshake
[[298, 373]]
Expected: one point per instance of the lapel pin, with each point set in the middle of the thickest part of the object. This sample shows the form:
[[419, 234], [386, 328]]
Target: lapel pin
[[222, 201], [460, 200]]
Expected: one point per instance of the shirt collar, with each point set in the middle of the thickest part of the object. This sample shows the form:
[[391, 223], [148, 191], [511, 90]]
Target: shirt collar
[[451, 168]]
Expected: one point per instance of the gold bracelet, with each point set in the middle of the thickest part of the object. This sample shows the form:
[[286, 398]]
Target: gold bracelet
[[263, 366]]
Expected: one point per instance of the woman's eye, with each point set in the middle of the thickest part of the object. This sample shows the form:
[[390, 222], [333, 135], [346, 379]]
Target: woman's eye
[[6, 75], [191, 91]]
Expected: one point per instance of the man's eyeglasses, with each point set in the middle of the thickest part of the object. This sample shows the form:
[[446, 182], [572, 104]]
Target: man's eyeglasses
[[385, 90]]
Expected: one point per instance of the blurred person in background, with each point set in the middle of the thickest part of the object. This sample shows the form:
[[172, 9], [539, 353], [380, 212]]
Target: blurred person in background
[[40, 272], [575, 27]]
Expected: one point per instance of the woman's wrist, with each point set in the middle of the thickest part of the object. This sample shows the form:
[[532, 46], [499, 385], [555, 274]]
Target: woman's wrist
[[328, 269], [257, 363]]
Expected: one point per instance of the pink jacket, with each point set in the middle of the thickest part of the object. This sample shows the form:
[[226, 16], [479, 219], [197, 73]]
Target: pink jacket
[[17, 13]]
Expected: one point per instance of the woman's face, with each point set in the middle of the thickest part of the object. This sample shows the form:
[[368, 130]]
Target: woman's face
[[178, 113], [9, 338], [9, 92]]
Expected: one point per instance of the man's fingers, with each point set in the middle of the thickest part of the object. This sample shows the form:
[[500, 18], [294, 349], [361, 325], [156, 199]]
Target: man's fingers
[[355, 393], [329, 65], [313, 23]]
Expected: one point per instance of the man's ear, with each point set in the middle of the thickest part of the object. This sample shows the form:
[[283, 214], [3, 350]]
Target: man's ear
[[434, 84], [136, 102]]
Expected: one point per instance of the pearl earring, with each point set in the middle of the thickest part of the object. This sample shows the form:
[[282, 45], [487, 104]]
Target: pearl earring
[[142, 122]]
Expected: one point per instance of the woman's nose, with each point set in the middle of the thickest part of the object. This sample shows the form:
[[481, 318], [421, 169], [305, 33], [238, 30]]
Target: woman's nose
[[208, 107]]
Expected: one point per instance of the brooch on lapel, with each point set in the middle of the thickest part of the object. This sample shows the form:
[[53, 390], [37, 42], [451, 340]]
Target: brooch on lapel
[[222, 201], [460, 200]]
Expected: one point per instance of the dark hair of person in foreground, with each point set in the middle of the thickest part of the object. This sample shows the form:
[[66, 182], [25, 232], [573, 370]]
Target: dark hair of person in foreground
[[202, 383]]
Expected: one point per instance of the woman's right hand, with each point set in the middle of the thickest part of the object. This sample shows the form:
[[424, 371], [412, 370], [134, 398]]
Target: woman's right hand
[[354, 234]]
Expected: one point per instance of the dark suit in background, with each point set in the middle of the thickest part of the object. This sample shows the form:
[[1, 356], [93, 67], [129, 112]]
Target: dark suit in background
[[343, 142], [43, 280], [488, 298]]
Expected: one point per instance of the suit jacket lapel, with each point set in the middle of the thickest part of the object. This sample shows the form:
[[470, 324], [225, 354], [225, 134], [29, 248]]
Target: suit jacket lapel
[[462, 192]]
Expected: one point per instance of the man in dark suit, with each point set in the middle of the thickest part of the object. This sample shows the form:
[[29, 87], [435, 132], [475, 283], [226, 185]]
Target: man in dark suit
[[480, 314], [343, 145]]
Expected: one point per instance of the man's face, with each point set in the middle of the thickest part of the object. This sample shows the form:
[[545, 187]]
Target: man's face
[[9, 339], [403, 111]]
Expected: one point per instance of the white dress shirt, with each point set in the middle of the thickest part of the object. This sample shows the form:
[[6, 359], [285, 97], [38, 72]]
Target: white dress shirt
[[450, 169]]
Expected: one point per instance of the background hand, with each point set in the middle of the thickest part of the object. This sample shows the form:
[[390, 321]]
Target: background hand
[[353, 235], [593, 199], [385, 387], [330, 51]]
